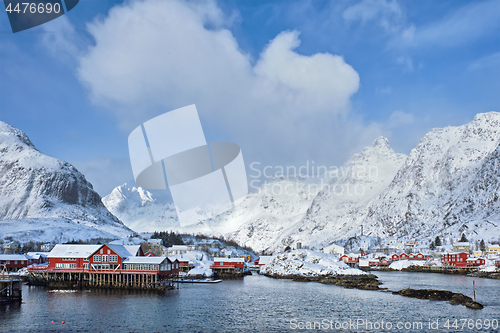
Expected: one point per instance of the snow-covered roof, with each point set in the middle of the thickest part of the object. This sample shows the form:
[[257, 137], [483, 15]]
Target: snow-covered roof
[[493, 246], [133, 249], [473, 259], [13, 257], [121, 250], [462, 244], [31, 254], [144, 260], [263, 260], [73, 251], [229, 260]]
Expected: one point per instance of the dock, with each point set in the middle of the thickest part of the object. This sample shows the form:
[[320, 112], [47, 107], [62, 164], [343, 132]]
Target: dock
[[102, 279], [10, 288]]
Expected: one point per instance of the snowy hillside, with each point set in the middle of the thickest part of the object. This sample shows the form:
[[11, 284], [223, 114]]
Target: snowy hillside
[[449, 179], [35, 186]]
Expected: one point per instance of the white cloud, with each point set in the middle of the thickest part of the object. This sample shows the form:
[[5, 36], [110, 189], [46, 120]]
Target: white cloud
[[386, 13], [489, 62], [58, 38], [464, 25], [383, 90], [399, 118], [153, 56]]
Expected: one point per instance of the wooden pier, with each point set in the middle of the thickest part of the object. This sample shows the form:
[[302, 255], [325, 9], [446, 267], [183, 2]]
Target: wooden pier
[[10, 288], [102, 279]]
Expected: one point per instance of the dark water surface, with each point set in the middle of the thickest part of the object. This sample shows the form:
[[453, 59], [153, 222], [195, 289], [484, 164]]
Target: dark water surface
[[259, 304]]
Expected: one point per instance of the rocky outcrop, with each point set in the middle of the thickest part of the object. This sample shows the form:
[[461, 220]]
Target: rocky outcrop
[[440, 295]]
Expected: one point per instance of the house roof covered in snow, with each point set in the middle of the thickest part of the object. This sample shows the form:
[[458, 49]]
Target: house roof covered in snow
[[264, 260], [73, 251], [229, 260], [13, 257], [133, 249], [121, 250]]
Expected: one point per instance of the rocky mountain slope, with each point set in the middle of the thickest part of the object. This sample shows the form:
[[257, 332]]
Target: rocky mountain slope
[[35, 186], [449, 179], [447, 185], [338, 211]]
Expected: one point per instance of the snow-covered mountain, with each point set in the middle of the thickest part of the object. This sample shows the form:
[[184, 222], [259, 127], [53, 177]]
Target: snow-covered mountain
[[35, 186], [338, 210], [263, 216], [277, 204], [449, 184], [448, 180], [140, 211]]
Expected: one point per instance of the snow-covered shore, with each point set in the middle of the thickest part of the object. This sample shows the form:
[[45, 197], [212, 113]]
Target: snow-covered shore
[[307, 263]]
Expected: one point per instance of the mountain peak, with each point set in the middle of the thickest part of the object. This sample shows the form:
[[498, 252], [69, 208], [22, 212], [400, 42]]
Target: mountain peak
[[381, 142], [10, 133], [487, 116]]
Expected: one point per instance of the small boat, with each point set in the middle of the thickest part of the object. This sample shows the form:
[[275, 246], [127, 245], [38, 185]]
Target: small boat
[[198, 281]]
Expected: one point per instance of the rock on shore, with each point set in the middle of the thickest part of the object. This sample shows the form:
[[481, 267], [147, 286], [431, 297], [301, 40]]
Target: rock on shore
[[440, 295]]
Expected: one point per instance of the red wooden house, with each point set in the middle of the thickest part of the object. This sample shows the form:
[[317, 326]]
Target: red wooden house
[[153, 265], [233, 265], [455, 259], [421, 256], [349, 258], [403, 256], [395, 257], [106, 258], [14, 261], [384, 262], [475, 262], [497, 262]]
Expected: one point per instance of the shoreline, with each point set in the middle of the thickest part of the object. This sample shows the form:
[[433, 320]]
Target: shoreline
[[371, 282], [446, 270]]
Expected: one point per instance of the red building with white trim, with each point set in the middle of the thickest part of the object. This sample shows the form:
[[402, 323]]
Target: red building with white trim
[[475, 262], [108, 258], [455, 259], [14, 261], [403, 256], [395, 257], [228, 265], [384, 262]]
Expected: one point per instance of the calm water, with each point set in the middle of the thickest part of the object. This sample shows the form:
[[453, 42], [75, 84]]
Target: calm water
[[255, 304]]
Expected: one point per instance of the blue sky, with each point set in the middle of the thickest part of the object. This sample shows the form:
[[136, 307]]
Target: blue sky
[[289, 81]]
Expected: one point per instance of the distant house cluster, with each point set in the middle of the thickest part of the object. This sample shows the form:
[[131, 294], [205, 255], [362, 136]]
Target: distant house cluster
[[13, 262]]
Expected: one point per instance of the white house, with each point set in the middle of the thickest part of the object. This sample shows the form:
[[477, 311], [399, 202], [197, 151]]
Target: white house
[[334, 249]]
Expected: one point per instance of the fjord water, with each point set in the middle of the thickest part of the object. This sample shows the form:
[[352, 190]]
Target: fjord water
[[254, 304]]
